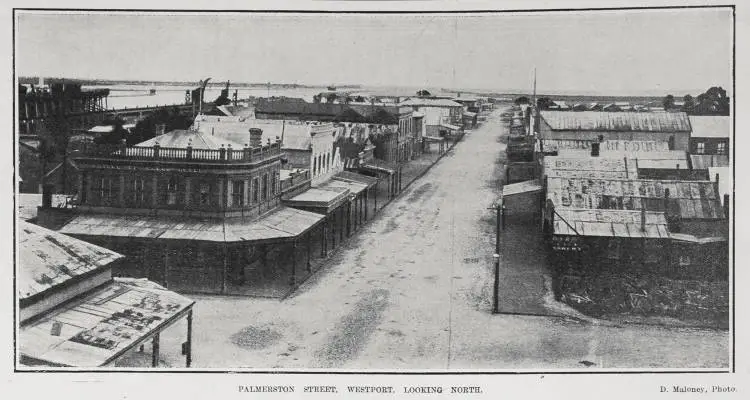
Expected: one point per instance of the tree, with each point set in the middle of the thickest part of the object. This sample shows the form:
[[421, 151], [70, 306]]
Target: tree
[[331, 97], [713, 102], [668, 102], [423, 93], [689, 104], [146, 128], [522, 100], [544, 103], [117, 134]]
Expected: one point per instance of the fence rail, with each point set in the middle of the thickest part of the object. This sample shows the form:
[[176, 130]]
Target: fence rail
[[156, 152]]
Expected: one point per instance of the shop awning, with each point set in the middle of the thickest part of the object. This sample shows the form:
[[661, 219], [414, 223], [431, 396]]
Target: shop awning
[[281, 224], [322, 196], [450, 126], [99, 328], [511, 189], [379, 166], [369, 181]]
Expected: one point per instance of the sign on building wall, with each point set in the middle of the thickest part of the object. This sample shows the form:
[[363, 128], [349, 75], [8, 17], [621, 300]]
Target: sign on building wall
[[641, 146]]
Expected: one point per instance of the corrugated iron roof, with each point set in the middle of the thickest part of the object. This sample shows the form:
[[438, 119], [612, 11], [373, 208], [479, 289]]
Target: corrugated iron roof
[[281, 223], [610, 223], [48, 258], [690, 199], [711, 126], [616, 121], [102, 326]]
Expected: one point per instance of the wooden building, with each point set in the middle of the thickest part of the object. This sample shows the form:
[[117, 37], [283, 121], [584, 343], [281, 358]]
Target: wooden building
[[74, 314], [687, 217], [672, 128]]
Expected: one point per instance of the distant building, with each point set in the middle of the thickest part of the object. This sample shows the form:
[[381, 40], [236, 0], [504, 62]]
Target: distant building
[[439, 114]]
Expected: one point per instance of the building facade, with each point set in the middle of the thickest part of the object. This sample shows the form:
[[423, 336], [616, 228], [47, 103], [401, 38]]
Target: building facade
[[193, 212]]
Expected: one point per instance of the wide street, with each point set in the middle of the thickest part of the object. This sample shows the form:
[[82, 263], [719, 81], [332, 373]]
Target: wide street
[[413, 290]]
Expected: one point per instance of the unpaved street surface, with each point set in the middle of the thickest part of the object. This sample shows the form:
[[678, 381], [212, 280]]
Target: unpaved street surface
[[413, 290]]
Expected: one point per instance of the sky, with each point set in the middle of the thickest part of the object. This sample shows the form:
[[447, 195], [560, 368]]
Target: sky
[[611, 52]]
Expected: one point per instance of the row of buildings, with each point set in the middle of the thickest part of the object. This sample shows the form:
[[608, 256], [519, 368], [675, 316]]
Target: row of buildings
[[242, 204], [645, 191]]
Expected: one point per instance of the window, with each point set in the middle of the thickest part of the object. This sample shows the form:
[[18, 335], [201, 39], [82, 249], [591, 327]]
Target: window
[[275, 182], [105, 190], [721, 148], [238, 193], [264, 192], [255, 190], [700, 148], [139, 191], [172, 191], [684, 260], [204, 194]]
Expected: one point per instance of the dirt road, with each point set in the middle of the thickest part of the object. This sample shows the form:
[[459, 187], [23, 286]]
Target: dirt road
[[413, 290]]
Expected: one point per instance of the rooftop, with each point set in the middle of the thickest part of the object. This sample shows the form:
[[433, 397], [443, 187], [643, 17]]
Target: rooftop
[[48, 258], [99, 328], [295, 135], [711, 126], [610, 223], [616, 121], [688, 199], [282, 223], [427, 102]]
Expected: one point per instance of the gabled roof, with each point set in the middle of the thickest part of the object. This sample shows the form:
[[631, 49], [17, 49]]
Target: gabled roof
[[48, 259], [710, 126], [617, 121], [295, 135]]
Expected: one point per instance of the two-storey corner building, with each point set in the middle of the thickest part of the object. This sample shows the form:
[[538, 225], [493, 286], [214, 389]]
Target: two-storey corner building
[[308, 149], [194, 212]]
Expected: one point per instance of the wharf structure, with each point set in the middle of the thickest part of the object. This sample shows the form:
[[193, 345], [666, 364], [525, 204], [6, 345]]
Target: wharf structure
[[620, 191], [37, 104]]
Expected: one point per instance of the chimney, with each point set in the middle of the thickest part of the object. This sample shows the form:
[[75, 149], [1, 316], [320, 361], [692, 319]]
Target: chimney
[[256, 137], [160, 129], [595, 149]]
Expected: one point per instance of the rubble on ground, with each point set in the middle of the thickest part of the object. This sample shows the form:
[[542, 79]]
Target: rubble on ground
[[702, 302]]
